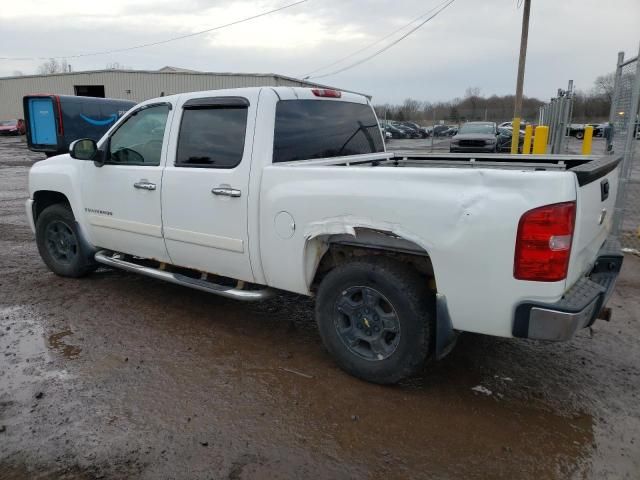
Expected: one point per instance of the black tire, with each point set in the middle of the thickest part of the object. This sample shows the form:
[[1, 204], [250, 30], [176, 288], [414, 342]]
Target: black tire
[[412, 306], [59, 243], [579, 135]]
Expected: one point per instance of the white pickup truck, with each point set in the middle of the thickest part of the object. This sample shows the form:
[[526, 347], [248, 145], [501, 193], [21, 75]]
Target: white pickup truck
[[245, 192]]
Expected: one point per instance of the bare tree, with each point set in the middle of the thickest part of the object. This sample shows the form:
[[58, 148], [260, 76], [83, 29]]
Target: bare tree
[[472, 92], [53, 66], [410, 108], [472, 97], [605, 84]]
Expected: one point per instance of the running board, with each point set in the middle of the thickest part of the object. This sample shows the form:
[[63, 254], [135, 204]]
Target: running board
[[105, 257]]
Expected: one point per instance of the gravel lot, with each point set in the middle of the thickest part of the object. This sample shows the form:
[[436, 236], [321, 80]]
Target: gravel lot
[[121, 376]]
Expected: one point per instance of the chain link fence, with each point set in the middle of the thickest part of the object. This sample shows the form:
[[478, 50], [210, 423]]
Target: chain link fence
[[557, 116], [624, 121]]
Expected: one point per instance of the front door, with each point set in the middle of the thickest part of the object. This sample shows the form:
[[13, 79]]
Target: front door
[[206, 185], [122, 198]]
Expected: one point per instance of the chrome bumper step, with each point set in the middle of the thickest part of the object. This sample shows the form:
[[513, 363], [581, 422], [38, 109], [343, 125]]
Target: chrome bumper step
[[111, 259]]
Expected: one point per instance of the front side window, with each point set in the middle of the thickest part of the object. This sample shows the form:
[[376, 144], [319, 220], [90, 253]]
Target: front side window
[[138, 141], [212, 136], [307, 129]]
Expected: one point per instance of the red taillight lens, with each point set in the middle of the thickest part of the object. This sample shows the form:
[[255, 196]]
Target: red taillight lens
[[543, 244], [325, 92]]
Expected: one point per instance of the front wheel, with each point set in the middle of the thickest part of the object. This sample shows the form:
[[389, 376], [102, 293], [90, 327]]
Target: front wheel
[[579, 135], [59, 242], [375, 317]]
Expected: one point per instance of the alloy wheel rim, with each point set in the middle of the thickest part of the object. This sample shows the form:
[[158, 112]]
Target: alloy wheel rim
[[61, 242], [367, 323]]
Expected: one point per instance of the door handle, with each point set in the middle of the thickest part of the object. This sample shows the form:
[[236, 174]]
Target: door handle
[[226, 191], [145, 185]]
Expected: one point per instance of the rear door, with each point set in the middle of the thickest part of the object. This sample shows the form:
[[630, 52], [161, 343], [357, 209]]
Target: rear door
[[205, 186], [42, 121]]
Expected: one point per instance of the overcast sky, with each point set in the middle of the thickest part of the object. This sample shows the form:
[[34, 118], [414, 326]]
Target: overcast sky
[[473, 43]]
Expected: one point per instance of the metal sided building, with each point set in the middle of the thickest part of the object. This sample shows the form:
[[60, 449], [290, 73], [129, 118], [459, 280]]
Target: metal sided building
[[136, 85]]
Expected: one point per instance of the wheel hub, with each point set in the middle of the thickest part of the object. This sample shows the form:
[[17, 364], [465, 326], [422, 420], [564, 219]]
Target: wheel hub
[[367, 323]]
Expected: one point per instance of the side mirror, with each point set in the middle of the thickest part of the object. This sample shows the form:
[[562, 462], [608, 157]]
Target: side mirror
[[83, 149]]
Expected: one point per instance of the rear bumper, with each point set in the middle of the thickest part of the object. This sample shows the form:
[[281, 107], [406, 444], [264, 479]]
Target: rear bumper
[[580, 305]]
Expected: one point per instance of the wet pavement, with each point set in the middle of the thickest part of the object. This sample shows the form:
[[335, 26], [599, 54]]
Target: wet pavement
[[121, 376]]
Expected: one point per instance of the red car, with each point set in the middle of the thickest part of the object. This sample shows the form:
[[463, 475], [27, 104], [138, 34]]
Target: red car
[[12, 127]]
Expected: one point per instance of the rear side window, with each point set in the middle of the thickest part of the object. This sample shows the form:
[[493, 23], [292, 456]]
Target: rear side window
[[307, 129], [212, 137]]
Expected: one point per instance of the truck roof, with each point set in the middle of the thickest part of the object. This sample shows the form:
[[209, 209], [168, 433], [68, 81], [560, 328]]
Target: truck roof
[[284, 93]]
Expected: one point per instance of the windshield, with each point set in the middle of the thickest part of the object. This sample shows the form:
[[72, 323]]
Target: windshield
[[477, 128], [7, 123]]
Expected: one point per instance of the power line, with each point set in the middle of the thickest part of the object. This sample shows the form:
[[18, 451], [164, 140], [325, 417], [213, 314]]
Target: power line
[[306, 75], [384, 49], [161, 42]]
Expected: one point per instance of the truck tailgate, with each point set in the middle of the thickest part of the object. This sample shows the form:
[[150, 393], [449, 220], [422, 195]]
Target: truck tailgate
[[597, 187]]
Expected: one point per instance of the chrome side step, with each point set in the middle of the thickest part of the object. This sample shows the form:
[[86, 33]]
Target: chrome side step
[[105, 257]]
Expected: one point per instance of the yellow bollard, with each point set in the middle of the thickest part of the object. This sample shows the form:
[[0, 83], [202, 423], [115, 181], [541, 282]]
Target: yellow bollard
[[526, 146], [540, 140], [515, 135], [587, 143]]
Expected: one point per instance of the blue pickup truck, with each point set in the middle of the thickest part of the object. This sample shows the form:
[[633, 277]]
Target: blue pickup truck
[[54, 121]]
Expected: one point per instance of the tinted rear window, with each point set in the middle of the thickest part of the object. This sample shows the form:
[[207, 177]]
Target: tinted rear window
[[307, 129]]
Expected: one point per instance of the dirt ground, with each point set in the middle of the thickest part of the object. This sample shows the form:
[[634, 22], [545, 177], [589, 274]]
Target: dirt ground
[[120, 376]]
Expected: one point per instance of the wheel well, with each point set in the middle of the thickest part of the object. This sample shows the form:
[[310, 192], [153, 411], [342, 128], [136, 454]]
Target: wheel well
[[339, 252], [45, 198]]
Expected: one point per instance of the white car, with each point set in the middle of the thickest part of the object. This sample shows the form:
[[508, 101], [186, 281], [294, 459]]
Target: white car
[[245, 192]]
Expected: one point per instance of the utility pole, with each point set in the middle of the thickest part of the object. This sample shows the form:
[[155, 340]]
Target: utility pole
[[520, 82]]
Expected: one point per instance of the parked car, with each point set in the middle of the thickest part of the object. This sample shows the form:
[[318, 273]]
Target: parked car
[[576, 130], [399, 252], [504, 139], [438, 130], [475, 137], [12, 127], [396, 132], [54, 121], [419, 131], [385, 132], [523, 123], [408, 129], [450, 132], [409, 132]]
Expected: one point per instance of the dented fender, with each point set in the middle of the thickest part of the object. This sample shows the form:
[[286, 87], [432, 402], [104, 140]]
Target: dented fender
[[317, 236]]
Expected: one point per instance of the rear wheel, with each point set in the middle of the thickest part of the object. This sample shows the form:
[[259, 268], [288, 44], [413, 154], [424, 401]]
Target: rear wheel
[[375, 317], [59, 242]]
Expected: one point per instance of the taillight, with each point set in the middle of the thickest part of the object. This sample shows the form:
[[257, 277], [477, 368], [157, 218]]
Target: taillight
[[325, 92], [543, 244]]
